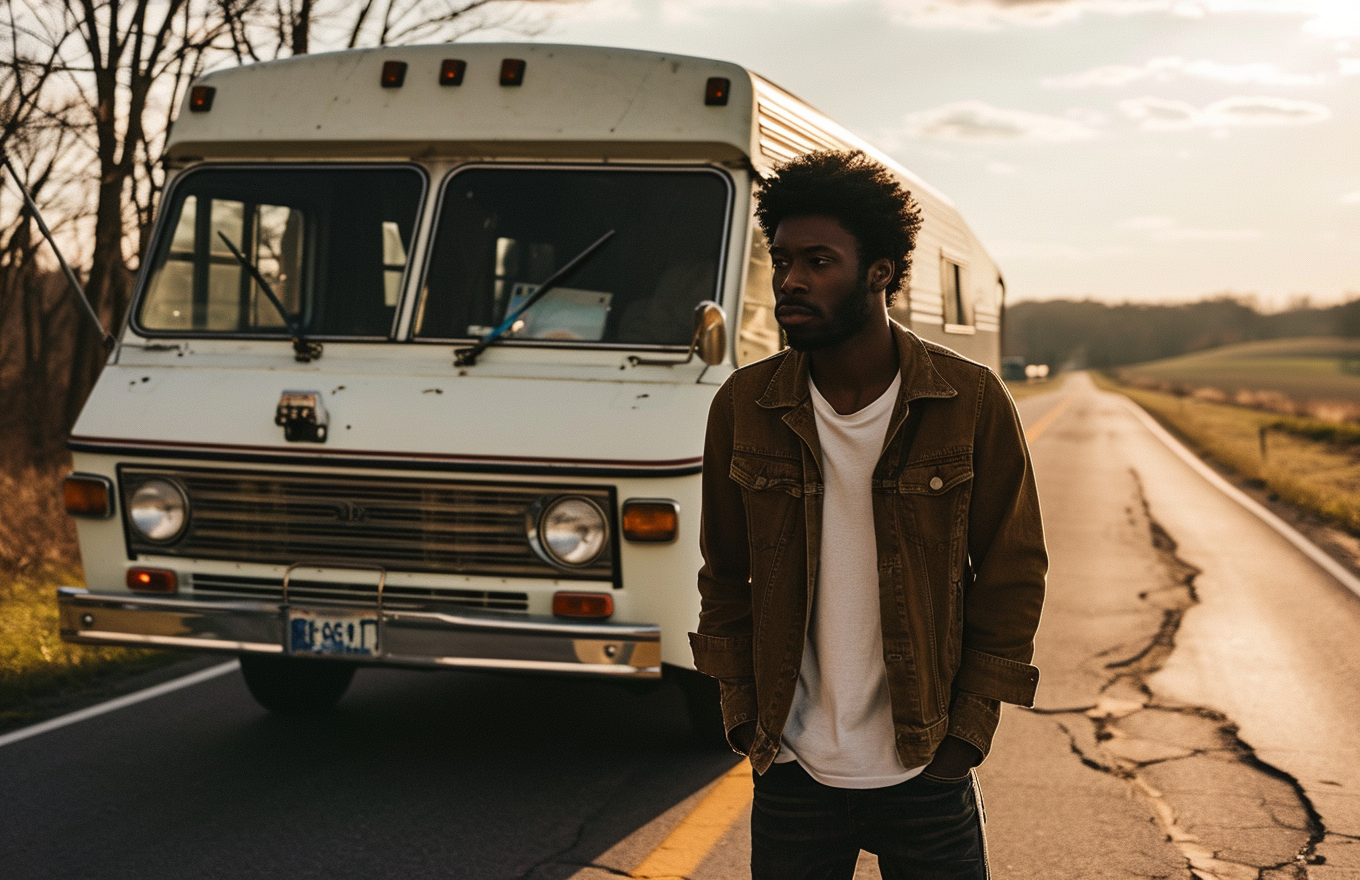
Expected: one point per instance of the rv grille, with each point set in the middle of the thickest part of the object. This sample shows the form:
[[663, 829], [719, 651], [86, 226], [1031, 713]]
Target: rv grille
[[451, 527], [213, 586]]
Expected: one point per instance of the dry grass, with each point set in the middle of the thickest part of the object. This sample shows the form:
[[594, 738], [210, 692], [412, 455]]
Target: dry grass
[[1307, 463], [37, 554]]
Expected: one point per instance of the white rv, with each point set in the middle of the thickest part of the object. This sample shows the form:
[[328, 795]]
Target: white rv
[[331, 434]]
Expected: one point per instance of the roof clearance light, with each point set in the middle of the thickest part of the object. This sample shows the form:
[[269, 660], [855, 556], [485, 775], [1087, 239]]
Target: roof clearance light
[[88, 495], [393, 74], [595, 605], [715, 94], [512, 72], [152, 580], [201, 98], [451, 72], [652, 520]]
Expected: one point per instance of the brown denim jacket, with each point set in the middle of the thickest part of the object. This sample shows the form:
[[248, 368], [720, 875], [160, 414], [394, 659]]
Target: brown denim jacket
[[961, 555]]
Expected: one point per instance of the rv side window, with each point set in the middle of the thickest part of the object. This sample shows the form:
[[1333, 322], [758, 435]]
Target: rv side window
[[331, 243], [953, 288], [503, 231]]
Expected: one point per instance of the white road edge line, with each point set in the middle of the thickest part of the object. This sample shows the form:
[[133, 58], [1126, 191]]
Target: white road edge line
[[120, 702], [1288, 532]]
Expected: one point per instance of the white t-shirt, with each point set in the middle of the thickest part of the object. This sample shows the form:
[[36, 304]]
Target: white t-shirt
[[840, 726]]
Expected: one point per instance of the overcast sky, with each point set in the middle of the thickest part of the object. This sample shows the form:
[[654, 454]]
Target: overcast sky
[[1143, 150]]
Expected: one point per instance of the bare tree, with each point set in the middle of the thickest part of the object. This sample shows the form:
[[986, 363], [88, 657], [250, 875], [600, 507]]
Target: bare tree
[[90, 87]]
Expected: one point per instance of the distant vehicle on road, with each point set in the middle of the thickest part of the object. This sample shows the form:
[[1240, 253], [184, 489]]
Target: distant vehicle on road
[[418, 366]]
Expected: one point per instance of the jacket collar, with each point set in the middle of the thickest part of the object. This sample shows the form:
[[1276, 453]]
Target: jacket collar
[[789, 385]]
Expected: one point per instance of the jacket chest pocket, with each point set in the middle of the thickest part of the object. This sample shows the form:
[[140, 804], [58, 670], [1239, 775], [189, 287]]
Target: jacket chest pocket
[[772, 489], [937, 494]]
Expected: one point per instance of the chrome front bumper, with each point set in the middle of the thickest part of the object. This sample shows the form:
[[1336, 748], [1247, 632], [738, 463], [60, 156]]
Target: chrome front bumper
[[408, 638]]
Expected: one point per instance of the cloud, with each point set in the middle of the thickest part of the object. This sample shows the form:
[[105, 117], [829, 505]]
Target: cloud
[[1161, 114], [1161, 228], [1328, 18], [1265, 111], [978, 121], [1179, 234], [1349, 66], [1351, 198], [1169, 67], [1053, 252], [1000, 168]]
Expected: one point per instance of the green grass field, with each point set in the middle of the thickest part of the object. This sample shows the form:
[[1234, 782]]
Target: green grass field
[[37, 554], [1307, 369]]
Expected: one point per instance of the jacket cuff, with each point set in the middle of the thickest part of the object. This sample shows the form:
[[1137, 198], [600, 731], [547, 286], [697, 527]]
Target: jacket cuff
[[738, 706], [973, 719], [722, 656], [996, 678]]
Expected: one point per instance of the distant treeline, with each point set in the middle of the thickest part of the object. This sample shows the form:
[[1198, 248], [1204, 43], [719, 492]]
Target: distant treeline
[[1086, 333]]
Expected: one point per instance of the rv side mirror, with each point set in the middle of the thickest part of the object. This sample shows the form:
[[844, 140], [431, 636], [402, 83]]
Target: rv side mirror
[[710, 332]]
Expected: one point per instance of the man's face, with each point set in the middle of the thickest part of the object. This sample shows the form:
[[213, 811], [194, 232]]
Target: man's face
[[821, 297]]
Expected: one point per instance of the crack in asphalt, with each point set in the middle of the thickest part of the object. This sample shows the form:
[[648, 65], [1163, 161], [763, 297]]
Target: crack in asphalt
[[557, 857], [1116, 748]]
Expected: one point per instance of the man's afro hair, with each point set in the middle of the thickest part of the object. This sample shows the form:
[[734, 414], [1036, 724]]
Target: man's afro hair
[[861, 194]]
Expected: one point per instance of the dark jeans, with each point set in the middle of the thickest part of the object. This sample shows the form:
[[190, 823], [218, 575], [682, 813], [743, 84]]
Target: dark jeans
[[922, 829]]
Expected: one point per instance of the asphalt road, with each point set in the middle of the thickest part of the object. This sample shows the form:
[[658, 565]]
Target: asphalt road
[[1198, 708]]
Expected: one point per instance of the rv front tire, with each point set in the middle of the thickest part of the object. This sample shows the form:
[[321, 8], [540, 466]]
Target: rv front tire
[[295, 685]]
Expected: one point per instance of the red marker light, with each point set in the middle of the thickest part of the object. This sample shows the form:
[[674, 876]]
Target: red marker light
[[512, 72], [152, 580], [717, 90], [451, 72], [201, 98], [595, 605], [393, 74]]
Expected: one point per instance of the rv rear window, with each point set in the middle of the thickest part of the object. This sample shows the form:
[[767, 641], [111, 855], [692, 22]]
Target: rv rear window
[[331, 243], [503, 231]]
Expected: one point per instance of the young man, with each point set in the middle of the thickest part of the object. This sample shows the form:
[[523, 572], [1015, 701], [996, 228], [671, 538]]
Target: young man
[[874, 561]]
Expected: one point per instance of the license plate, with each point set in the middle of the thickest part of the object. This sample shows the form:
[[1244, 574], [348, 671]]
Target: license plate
[[352, 633]]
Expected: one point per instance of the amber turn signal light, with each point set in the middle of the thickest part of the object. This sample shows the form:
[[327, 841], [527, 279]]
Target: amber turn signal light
[[201, 98], [583, 604], [88, 495], [512, 72], [152, 580], [393, 74], [651, 519], [717, 90]]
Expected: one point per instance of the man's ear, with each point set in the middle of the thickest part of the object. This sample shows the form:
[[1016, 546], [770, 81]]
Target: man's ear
[[880, 274]]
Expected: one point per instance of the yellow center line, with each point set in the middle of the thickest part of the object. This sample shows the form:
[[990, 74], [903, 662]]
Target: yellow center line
[[1047, 419], [682, 851]]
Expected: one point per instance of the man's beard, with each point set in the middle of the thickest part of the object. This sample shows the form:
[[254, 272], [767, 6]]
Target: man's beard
[[851, 316]]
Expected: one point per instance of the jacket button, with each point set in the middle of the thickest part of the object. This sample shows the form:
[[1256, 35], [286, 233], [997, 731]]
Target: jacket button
[[936, 483]]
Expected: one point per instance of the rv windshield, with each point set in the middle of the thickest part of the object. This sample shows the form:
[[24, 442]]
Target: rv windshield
[[503, 231], [333, 243]]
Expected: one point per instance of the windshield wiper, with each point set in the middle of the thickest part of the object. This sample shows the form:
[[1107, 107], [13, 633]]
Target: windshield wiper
[[467, 357], [303, 350]]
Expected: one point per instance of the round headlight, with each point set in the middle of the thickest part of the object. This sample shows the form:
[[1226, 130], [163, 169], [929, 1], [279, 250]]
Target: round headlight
[[570, 531], [158, 510]]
